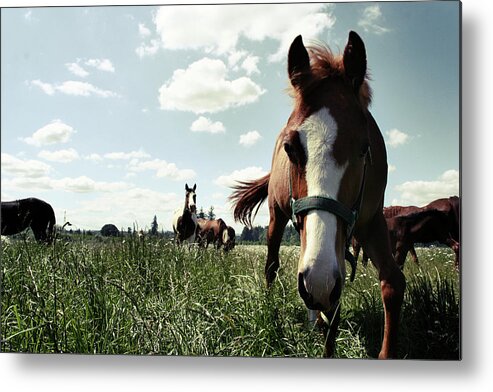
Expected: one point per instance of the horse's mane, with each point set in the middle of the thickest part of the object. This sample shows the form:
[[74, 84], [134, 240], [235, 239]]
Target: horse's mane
[[325, 65]]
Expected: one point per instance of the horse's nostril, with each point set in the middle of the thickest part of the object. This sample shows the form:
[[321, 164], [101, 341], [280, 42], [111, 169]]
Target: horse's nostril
[[336, 291], [305, 295]]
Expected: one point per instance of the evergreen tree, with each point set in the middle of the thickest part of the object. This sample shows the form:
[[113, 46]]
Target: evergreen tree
[[201, 213], [210, 213], [154, 226]]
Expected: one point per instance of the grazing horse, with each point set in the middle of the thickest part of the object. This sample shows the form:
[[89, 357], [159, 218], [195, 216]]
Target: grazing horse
[[388, 212], [450, 206], [185, 219], [210, 230], [229, 238], [437, 221], [328, 175], [37, 214]]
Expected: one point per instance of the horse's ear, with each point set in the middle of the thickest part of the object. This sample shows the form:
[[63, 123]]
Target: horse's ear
[[298, 62], [355, 60], [194, 187], [187, 188]]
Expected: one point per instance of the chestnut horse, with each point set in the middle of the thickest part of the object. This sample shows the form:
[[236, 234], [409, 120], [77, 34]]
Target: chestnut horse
[[185, 219], [388, 212], [328, 174], [210, 230], [20, 214]]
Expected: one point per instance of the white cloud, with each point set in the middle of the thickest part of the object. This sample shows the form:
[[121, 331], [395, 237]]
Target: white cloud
[[204, 87], [203, 124], [52, 133], [391, 168], [143, 30], [127, 155], [72, 87], [135, 206], [94, 157], [81, 184], [371, 20], [101, 64], [77, 70], [84, 184], [396, 138], [161, 169], [27, 168], [249, 173], [47, 88], [220, 28], [63, 156], [148, 49], [250, 65], [421, 193], [250, 138]]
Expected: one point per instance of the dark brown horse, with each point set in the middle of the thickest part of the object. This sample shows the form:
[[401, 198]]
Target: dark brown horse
[[425, 226], [37, 214], [329, 173], [210, 231], [185, 219], [229, 238]]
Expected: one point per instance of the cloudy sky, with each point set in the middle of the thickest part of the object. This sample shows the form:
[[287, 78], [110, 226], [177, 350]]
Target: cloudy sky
[[106, 112]]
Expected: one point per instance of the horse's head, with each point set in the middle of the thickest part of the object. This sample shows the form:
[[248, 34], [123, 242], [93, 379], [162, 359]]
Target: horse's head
[[326, 141], [191, 198]]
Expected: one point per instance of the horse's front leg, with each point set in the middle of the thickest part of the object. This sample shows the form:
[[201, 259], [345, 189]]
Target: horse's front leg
[[277, 224], [328, 322], [392, 282]]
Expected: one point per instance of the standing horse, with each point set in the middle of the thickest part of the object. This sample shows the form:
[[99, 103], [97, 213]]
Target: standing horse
[[185, 219], [210, 230], [328, 174], [388, 212], [37, 214], [426, 225]]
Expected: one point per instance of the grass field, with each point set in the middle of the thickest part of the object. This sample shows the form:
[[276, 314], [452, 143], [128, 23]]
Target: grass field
[[131, 296]]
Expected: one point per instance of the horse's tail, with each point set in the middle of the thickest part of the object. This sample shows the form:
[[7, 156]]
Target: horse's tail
[[247, 198]]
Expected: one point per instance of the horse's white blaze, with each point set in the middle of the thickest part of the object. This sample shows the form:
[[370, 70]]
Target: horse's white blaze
[[318, 134]]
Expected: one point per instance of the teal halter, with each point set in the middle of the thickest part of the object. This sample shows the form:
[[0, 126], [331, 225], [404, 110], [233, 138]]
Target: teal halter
[[333, 206]]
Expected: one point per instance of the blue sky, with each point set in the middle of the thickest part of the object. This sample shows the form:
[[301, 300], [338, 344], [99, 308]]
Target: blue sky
[[106, 112]]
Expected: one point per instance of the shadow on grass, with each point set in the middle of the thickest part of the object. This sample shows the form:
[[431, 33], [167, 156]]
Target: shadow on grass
[[430, 320]]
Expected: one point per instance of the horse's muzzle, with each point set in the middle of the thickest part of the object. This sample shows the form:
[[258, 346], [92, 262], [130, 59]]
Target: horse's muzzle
[[324, 299]]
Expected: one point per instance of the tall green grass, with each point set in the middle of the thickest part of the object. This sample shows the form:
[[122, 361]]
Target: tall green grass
[[132, 296]]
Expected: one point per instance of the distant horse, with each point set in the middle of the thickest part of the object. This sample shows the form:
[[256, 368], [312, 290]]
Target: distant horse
[[329, 173], [37, 214], [426, 225], [210, 231], [450, 206], [229, 238], [388, 212], [436, 221], [185, 219]]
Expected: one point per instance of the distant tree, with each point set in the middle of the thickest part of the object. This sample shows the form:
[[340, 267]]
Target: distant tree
[[210, 213], [129, 230], [109, 230], [88, 232], [246, 234], [201, 213], [154, 226]]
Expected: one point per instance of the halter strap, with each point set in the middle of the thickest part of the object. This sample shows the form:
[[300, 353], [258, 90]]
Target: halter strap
[[333, 206]]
